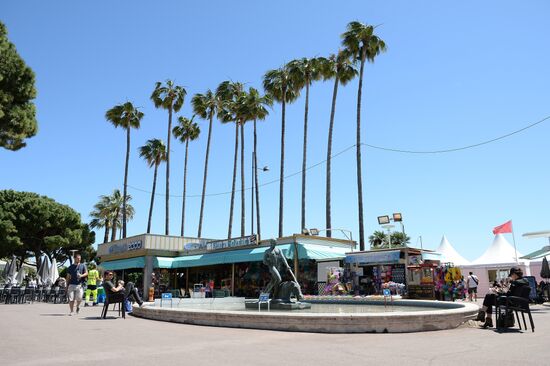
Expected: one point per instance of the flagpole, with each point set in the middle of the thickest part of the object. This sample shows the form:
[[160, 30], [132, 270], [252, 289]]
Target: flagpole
[[514, 238]]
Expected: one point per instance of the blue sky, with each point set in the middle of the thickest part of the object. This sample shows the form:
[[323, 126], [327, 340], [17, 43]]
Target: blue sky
[[454, 74]]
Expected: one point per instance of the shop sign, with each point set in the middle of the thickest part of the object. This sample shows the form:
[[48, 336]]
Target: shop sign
[[415, 260], [195, 246], [231, 243], [125, 247], [374, 258]]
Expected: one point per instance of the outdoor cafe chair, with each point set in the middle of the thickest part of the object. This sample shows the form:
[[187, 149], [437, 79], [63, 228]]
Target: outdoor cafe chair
[[514, 304], [13, 296], [46, 294], [5, 293], [28, 295], [115, 298], [60, 295]]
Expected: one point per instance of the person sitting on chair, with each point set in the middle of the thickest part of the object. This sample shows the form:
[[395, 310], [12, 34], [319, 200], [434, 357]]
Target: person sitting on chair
[[516, 287], [129, 291]]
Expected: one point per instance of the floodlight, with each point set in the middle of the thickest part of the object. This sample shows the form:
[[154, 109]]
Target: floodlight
[[314, 231], [382, 220], [397, 217]]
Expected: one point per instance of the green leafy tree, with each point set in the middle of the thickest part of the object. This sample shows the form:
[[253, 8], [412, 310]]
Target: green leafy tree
[[232, 96], [185, 131], [278, 84], [101, 218], [342, 70], [154, 152], [303, 72], [361, 43], [379, 240], [257, 110], [17, 112], [39, 225], [126, 116], [115, 208], [205, 106], [169, 97]]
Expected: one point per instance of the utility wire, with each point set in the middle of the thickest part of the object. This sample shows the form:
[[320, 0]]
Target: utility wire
[[371, 146]]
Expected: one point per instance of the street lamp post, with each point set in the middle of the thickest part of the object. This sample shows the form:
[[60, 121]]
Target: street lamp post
[[396, 217]]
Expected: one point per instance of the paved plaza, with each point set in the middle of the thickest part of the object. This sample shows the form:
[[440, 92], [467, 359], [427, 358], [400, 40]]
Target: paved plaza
[[43, 334]]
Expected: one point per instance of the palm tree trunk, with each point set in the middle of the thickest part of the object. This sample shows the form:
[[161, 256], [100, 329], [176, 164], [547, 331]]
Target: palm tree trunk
[[106, 236], [359, 176], [114, 226], [256, 188], [243, 210], [329, 155], [152, 199], [234, 179], [184, 188], [125, 182], [282, 173], [304, 160], [167, 223], [205, 175]]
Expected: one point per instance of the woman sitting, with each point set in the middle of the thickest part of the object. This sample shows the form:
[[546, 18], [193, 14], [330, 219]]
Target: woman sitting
[[516, 288]]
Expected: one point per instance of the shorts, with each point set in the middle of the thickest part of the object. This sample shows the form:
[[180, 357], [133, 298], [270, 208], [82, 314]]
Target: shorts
[[92, 287], [472, 290], [75, 292]]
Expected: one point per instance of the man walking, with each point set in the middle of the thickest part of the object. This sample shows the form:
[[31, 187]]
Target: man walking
[[473, 281], [76, 275]]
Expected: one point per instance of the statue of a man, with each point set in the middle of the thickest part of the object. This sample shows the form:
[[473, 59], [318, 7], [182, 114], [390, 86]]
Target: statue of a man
[[275, 260]]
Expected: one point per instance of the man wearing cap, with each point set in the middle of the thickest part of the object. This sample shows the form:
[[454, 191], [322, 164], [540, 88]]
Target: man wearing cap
[[516, 288]]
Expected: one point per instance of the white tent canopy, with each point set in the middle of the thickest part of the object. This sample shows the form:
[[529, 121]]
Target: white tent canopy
[[500, 252], [449, 254]]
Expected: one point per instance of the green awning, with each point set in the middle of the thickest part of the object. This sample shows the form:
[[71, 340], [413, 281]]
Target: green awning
[[234, 256], [163, 262], [313, 251], [138, 262], [538, 253]]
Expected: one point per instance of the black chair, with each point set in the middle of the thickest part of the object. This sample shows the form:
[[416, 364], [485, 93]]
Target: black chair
[[514, 304], [61, 296], [14, 295], [46, 292], [5, 293], [28, 295], [115, 298]]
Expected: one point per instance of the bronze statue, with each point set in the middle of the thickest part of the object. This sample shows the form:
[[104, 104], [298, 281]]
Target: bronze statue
[[275, 260]]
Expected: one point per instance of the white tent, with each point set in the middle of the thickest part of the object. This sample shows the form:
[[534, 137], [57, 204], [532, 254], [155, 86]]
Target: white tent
[[500, 252], [449, 254]]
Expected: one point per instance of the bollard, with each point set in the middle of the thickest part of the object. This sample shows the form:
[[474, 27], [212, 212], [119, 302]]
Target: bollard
[[151, 294]]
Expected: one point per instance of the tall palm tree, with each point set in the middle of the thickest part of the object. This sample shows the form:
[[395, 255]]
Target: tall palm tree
[[361, 43], [206, 106], [115, 208], [256, 107], [101, 216], [231, 95], [154, 152], [126, 116], [185, 131], [169, 97], [279, 85], [342, 70], [303, 72]]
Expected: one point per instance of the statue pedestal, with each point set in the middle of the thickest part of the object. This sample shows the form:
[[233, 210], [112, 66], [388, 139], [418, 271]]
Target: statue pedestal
[[278, 305]]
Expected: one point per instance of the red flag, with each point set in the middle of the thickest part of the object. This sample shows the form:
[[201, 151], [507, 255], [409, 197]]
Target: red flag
[[504, 228]]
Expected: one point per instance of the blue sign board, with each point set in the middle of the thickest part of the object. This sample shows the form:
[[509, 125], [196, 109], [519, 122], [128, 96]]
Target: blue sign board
[[167, 295], [386, 292], [264, 297]]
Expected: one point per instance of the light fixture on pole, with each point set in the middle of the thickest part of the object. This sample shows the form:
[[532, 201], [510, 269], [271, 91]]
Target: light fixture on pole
[[389, 227], [396, 217], [254, 168]]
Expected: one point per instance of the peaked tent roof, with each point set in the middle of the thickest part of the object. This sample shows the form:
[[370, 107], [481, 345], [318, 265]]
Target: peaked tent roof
[[500, 252], [449, 254]]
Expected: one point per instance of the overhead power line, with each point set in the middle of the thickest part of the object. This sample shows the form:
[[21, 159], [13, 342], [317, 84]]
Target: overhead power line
[[396, 150]]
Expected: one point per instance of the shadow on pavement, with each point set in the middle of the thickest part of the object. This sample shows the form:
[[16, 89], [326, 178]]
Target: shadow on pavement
[[54, 314]]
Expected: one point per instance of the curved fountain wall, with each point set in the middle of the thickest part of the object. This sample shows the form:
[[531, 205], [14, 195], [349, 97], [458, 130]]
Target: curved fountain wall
[[437, 316]]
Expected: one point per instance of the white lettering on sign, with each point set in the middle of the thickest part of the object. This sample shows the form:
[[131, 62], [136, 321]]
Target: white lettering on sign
[[231, 243], [124, 247]]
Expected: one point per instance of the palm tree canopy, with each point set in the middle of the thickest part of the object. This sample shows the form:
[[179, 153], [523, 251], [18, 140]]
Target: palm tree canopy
[[256, 105], [305, 70], [168, 96], [124, 115], [205, 105], [232, 102], [280, 86], [338, 65], [154, 152], [361, 42], [186, 130]]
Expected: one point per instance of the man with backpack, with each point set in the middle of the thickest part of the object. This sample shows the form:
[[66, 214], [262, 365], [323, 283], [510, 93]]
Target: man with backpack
[[473, 281]]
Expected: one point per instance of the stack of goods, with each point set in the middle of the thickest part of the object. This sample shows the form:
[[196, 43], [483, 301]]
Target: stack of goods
[[448, 283]]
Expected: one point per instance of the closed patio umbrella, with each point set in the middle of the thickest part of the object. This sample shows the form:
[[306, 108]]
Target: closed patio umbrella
[[20, 276], [54, 273], [12, 270], [44, 271], [545, 269]]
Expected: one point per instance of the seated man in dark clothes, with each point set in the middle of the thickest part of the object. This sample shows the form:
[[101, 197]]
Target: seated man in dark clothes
[[516, 286], [128, 292]]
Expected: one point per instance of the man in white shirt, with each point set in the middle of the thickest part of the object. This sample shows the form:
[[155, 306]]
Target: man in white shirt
[[473, 281]]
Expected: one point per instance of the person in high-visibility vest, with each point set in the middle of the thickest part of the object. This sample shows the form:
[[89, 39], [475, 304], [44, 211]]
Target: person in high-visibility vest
[[93, 279]]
